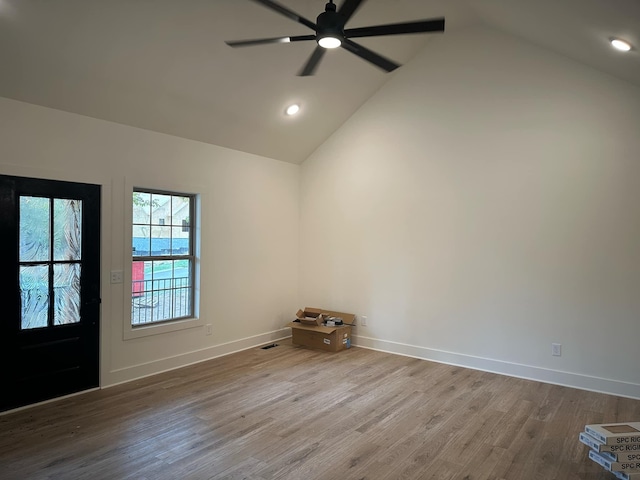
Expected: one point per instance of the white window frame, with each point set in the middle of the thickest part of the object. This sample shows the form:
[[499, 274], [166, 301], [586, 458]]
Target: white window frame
[[196, 320]]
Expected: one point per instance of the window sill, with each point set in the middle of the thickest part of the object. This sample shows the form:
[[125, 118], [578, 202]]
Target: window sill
[[131, 332]]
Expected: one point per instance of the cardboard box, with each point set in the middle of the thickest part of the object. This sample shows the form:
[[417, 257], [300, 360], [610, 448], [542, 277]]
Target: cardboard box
[[331, 339], [315, 335], [309, 317], [347, 318]]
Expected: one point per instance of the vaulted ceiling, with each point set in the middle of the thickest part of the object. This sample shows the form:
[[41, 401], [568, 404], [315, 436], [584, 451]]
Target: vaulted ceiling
[[163, 65]]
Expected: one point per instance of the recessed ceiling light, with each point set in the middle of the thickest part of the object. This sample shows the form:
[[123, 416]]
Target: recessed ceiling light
[[620, 45], [292, 109]]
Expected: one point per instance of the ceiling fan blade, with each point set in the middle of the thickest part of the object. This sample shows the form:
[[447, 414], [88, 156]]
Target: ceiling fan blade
[[348, 7], [422, 26], [312, 63], [264, 41], [287, 13], [368, 55]]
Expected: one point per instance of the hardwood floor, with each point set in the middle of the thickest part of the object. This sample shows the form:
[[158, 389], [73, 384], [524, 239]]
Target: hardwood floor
[[293, 413]]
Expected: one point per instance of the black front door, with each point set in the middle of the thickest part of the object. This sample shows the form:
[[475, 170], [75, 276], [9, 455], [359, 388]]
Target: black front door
[[50, 288]]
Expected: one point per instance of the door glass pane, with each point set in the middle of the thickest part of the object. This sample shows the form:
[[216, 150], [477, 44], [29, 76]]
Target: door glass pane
[[34, 295], [66, 293], [34, 229], [67, 229]]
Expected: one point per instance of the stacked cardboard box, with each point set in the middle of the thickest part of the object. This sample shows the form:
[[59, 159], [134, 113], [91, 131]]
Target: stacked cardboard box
[[615, 446]]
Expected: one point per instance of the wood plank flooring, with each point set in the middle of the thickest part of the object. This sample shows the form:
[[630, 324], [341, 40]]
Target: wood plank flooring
[[293, 413]]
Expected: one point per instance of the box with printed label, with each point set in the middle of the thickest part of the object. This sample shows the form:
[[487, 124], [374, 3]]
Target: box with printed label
[[330, 338]]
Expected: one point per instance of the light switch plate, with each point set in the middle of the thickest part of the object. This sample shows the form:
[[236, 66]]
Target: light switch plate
[[116, 276]]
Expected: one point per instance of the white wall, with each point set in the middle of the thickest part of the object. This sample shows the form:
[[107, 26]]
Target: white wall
[[479, 207], [482, 205], [250, 224]]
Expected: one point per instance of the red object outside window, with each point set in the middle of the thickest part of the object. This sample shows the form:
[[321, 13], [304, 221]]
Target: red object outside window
[[137, 279]]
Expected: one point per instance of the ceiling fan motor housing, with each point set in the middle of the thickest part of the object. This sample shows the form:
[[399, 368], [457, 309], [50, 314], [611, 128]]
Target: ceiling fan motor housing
[[330, 23]]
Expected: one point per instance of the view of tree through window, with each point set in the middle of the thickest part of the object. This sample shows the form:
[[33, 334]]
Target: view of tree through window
[[163, 258]]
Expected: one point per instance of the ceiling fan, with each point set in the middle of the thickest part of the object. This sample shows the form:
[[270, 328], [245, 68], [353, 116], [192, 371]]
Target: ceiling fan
[[330, 33]]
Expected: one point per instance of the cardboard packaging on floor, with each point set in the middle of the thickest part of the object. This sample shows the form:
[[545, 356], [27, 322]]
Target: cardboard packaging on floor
[[309, 316], [308, 331]]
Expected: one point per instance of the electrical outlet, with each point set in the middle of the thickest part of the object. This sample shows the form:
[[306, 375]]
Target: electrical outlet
[[556, 349], [363, 320], [208, 329], [116, 276]]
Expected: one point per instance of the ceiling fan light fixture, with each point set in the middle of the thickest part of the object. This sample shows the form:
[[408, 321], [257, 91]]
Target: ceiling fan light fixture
[[329, 27], [329, 42], [620, 45]]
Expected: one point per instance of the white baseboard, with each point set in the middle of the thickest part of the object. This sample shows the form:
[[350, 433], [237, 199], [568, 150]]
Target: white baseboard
[[128, 374], [556, 377]]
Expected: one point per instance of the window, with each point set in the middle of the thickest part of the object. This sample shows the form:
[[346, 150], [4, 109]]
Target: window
[[50, 238], [163, 261]]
